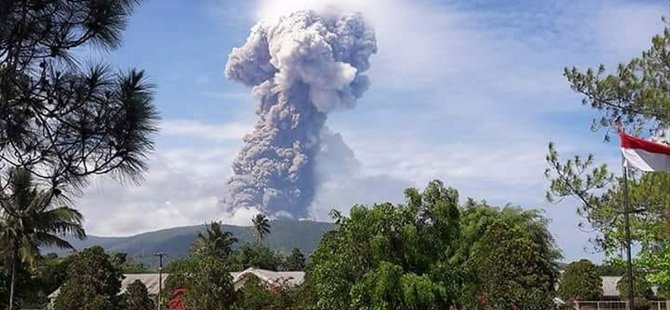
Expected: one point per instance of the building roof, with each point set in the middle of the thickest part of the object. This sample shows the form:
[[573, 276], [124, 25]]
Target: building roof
[[150, 280], [609, 286], [270, 277]]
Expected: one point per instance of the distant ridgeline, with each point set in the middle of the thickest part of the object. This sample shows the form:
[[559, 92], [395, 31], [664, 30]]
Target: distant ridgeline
[[176, 242]]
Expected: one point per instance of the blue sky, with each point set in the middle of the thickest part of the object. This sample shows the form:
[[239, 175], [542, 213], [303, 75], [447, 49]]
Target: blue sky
[[469, 92]]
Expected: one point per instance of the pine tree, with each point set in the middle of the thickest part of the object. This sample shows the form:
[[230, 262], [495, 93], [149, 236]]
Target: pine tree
[[58, 119]]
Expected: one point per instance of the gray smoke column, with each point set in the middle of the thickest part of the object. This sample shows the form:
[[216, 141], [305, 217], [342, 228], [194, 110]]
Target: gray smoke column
[[300, 67]]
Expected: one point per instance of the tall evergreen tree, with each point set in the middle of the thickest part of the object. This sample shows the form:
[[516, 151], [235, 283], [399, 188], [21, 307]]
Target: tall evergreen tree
[[61, 120], [635, 96]]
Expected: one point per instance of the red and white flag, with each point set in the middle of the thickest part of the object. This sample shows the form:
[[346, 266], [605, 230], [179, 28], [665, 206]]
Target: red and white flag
[[645, 155]]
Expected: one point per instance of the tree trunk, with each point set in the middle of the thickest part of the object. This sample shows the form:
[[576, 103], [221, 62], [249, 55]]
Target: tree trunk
[[12, 284]]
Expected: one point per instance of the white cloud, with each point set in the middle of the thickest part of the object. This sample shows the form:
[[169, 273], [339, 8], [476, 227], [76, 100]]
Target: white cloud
[[182, 187], [167, 198]]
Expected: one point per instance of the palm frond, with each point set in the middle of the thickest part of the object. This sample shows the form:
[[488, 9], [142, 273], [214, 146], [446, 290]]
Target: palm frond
[[45, 239]]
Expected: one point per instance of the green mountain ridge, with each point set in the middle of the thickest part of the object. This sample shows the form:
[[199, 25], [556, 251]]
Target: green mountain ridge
[[176, 242]]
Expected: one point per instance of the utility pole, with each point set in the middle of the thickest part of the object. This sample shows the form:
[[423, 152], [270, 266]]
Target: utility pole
[[626, 225], [629, 260], [160, 279]]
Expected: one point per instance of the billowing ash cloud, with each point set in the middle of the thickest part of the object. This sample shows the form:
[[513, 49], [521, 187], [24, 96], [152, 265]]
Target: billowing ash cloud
[[301, 67]]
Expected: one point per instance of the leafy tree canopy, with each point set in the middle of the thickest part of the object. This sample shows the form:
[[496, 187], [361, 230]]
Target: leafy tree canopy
[[641, 289], [207, 282], [432, 253], [295, 261], [257, 256], [136, 297], [391, 256], [93, 282], [581, 281], [510, 255], [256, 294]]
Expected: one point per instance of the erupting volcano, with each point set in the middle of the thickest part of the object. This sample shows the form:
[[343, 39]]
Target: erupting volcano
[[299, 67]]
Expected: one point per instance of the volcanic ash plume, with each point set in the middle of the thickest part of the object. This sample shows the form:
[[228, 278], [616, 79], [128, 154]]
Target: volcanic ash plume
[[300, 68]]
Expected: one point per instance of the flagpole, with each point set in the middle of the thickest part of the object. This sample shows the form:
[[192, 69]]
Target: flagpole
[[629, 260]]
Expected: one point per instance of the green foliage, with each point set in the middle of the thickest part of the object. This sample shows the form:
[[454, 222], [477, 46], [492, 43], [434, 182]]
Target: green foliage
[[93, 282], [121, 261], [430, 253], [257, 256], [612, 267], [133, 268], [286, 235], [178, 276], [261, 226], [637, 94], [600, 201], [512, 260], [641, 289], [636, 97], [216, 243], [136, 297], [658, 263], [29, 220], [60, 121], [581, 281], [49, 274], [389, 287], [390, 256], [255, 294], [207, 281], [295, 261]]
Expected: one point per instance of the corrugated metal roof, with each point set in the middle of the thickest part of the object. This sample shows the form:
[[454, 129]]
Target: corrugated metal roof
[[609, 286], [150, 280], [272, 277]]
